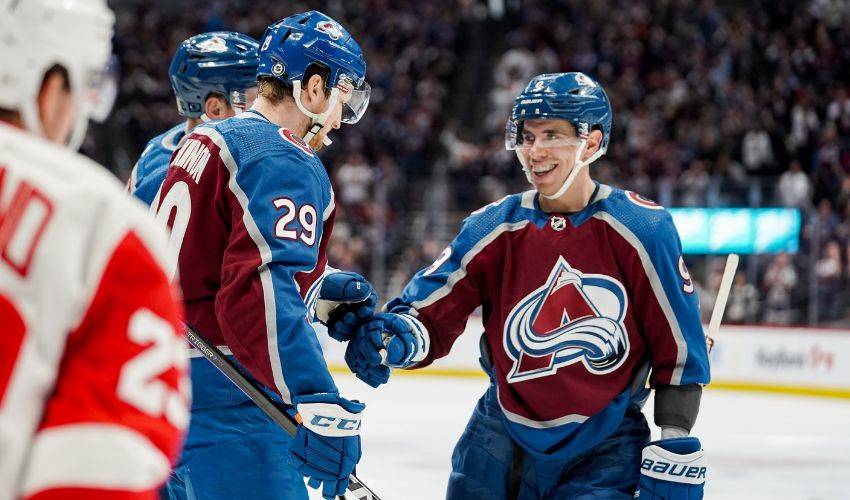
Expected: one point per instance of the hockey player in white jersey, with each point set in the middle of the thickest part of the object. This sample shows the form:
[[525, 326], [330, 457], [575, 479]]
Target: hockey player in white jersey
[[93, 385]]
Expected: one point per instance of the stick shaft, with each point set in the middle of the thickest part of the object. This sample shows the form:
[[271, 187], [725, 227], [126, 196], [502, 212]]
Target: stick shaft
[[722, 295], [253, 390]]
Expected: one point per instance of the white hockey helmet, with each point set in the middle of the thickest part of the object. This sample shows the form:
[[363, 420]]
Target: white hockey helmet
[[36, 35]]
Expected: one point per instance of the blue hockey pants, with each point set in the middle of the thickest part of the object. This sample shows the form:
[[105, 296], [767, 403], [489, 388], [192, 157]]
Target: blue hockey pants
[[483, 458], [233, 450]]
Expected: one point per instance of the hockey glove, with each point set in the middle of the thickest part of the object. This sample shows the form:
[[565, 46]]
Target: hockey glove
[[346, 300], [326, 447], [387, 340], [672, 469]]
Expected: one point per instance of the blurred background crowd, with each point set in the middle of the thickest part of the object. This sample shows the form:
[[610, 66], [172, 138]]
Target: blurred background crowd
[[716, 104]]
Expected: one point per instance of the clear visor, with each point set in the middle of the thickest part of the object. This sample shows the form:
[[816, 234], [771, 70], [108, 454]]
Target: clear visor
[[240, 100], [102, 89], [518, 138], [354, 101]]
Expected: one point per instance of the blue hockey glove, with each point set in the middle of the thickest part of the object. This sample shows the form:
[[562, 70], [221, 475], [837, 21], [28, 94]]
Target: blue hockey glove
[[372, 374], [326, 447], [345, 301], [672, 469], [387, 340]]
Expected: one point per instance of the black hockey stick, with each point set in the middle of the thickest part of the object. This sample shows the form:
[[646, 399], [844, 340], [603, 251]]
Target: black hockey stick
[[252, 389]]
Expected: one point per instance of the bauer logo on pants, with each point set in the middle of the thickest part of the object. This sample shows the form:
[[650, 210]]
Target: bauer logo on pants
[[574, 317]]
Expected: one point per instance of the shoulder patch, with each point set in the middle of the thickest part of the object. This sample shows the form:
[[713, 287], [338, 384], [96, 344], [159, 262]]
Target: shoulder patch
[[642, 201], [293, 138]]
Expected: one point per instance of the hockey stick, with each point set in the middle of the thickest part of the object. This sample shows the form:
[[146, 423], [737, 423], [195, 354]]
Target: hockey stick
[[722, 297], [252, 389]]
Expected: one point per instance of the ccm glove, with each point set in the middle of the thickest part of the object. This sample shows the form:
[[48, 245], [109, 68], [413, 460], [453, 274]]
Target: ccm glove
[[672, 469], [345, 301], [326, 447]]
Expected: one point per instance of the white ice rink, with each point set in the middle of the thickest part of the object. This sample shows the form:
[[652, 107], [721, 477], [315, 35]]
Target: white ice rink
[[759, 446]]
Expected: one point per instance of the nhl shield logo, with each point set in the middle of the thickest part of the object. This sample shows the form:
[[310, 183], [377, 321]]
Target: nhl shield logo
[[573, 318]]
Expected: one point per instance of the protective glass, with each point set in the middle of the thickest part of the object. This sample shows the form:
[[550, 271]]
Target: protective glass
[[102, 89], [354, 101], [518, 138]]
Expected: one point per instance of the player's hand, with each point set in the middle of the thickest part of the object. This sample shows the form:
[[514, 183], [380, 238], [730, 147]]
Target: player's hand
[[387, 340], [326, 447], [346, 300], [672, 469]]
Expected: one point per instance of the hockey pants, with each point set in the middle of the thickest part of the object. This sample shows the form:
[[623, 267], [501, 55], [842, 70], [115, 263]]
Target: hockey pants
[[483, 459], [233, 450]]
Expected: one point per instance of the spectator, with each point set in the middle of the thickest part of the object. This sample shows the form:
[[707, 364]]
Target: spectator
[[828, 271], [743, 306], [794, 187], [778, 286]]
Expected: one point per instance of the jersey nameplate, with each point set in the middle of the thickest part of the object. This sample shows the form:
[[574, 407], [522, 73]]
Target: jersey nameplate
[[193, 158]]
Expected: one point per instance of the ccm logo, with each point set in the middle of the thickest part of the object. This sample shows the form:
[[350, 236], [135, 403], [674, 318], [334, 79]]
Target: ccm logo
[[343, 424], [669, 469]]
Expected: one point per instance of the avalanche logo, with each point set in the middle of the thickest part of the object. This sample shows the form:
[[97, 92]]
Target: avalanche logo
[[575, 317]]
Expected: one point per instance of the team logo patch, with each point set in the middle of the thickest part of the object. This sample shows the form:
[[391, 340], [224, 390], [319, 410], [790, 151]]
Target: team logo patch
[[294, 139], [584, 80], [214, 44], [278, 69], [642, 202], [330, 28], [573, 318]]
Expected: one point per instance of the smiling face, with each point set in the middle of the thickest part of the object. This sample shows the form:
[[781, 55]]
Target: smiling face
[[548, 153]]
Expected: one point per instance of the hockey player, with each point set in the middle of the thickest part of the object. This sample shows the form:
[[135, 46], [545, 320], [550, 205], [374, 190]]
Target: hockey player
[[93, 383], [583, 292], [214, 76], [251, 209]]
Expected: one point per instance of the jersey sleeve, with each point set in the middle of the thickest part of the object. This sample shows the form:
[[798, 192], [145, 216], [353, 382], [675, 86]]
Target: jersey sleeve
[[440, 298], [665, 304], [277, 206], [116, 417]]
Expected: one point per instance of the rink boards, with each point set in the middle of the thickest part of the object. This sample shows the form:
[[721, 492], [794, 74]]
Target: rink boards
[[803, 361]]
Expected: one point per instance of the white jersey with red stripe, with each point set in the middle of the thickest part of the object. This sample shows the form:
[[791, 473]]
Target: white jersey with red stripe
[[93, 382]]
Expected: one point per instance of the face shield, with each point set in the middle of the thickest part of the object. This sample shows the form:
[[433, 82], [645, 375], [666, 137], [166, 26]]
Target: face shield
[[101, 89], [518, 138], [354, 100]]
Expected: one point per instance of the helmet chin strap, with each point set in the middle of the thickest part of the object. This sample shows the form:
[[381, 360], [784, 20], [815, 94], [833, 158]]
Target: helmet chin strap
[[578, 164], [317, 120]]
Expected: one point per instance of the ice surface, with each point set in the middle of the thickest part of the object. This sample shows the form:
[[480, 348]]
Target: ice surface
[[759, 446]]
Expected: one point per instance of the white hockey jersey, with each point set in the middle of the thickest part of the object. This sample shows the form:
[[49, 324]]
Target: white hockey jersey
[[93, 375]]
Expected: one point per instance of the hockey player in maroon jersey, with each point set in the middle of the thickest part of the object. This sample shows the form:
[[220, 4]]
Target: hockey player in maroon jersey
[[251, 210], [93, 381], [584, 296]]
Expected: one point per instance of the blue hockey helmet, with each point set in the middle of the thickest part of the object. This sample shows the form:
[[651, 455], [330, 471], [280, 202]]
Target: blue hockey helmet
[[220, 62], [292, 44], [574, 97]]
